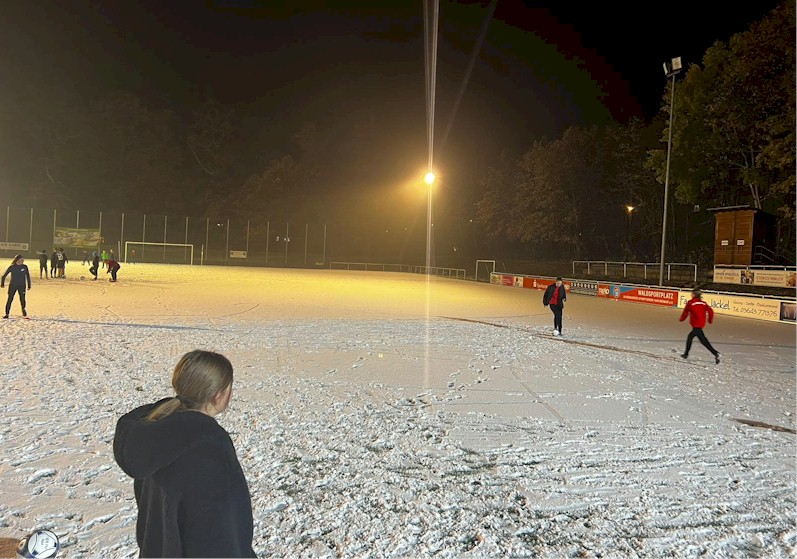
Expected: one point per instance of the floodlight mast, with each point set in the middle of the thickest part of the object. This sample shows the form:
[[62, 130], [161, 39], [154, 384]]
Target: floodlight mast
[[670, 70]]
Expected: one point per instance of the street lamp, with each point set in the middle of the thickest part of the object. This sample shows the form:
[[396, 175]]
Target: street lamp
[[670, 70], [429, 179], [629, 210]]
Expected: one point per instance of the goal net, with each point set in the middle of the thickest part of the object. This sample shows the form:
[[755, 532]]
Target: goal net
[[160, 253], [483, 270]]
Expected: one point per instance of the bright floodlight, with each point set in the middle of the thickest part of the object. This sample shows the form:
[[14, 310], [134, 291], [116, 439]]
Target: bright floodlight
[[630, 208], [429, 177]]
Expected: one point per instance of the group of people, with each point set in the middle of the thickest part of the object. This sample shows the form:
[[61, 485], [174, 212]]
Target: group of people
[[58, 261], [697, 310], [20, 283]]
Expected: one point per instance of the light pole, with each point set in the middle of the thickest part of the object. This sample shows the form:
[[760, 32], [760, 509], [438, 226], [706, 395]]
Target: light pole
[[629, 210], [670, 70], [429, 179]]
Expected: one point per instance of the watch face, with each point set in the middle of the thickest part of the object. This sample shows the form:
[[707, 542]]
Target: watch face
[[38, 545]]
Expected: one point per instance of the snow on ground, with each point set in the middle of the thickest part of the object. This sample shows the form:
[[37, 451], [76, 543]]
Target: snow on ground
[[384, 415]]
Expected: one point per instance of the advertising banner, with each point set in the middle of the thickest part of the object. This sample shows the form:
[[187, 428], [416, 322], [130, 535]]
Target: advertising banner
[[495, 278], [507, 280], [584, 287], [518, 281], [543, 283], [650, 296], [788, 311], [737, 305], [773, 278], [769, 278], [727, 275], [608, 291], [14, 246], [76, 238]]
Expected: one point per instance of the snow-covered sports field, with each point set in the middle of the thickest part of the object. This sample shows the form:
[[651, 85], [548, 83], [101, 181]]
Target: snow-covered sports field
[[384, 415]]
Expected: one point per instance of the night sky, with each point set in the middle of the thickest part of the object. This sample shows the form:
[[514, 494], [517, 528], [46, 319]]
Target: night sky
[[540, 68]]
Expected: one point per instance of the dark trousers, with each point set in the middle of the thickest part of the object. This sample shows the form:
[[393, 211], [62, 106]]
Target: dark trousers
[[42, 268], [13, 290], [113, 274], [698, 333], [557, 316], [93, 270]]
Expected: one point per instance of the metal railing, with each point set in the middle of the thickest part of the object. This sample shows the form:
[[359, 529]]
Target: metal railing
[[675, 270], [456, 273]]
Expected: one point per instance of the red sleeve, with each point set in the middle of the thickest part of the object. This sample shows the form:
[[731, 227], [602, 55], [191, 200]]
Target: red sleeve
[[686, 312], [710, 314]]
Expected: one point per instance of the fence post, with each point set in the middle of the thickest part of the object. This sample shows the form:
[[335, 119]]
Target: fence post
[[287, 233], [324, 255], [247, 242], [122, 235], [185, 249], [165, 221], [30, 237], [143, 236], [305, 244], [207, 229], [268, 237], [227, 249]]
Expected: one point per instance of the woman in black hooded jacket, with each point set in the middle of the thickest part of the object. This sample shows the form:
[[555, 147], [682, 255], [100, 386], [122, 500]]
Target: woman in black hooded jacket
[[20, 279], [192, 496]]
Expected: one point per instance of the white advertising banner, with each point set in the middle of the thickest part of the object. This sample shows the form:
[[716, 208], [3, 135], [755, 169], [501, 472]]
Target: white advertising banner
[[746, 276], [727, 275], [736, 305]]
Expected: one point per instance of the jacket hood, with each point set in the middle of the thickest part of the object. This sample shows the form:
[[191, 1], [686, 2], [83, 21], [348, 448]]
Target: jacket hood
[[143, 447]]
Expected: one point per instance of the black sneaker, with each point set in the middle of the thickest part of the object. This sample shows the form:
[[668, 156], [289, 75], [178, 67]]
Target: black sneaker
[[717, 359], [24, 313], [684, 356], [6, 316]]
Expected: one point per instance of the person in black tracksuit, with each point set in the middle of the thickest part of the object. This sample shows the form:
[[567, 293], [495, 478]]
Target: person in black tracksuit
[[20, 278], [95, 265], [555, 297], [53, 263], [192, 495], [43, 260]]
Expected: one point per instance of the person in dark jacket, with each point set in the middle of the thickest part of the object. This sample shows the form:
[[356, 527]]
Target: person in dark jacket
[[53, 263], [20, 278], [554, 297], [43, 259], [192, 496], [698, 311], [95, 264], [113, 267]]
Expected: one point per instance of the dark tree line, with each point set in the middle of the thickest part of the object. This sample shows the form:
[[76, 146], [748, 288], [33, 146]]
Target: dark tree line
[[733, 144]]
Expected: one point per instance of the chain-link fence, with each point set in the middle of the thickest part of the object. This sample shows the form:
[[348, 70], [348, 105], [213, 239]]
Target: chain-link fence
[[164, 239]]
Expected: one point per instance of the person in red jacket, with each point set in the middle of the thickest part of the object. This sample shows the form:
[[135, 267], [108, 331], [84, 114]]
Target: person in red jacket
[[113, 267], [698, 311], [554, 297]]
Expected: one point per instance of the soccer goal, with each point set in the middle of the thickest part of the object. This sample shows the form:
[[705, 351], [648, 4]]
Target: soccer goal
[[483, 270], [161, 253]]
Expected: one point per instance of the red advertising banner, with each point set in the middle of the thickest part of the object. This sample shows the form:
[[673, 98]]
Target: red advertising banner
[[663, 297], [540, 283], [508, 280]]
